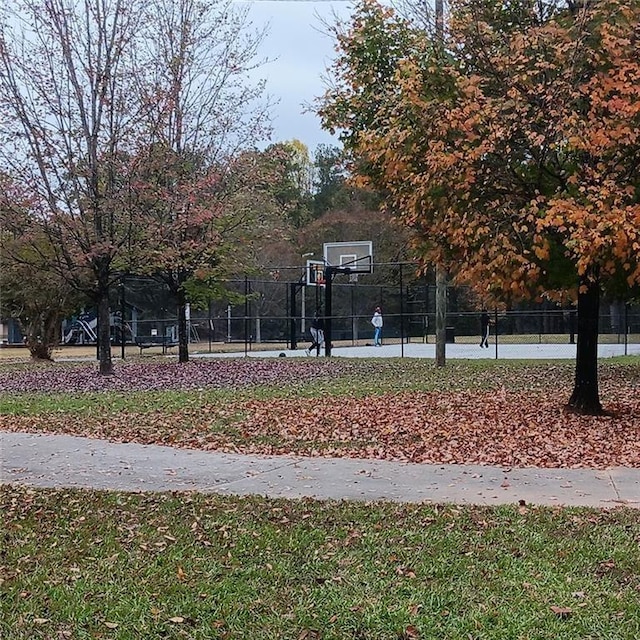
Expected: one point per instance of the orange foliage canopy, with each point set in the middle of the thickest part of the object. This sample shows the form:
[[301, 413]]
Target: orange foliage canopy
[[513, 148]]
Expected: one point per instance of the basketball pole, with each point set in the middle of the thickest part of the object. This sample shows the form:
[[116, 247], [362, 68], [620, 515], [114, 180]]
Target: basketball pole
[[293, 328], [348, 263], [329, 272]]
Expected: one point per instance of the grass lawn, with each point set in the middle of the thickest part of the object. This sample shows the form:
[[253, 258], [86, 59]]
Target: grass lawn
[[474, 412], [81, 564]]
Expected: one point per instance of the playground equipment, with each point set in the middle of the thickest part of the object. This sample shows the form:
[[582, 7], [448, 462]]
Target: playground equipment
[[82, 330]]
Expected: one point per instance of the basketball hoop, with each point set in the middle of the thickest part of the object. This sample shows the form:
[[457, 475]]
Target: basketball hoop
[[353, 277], [315, 273]]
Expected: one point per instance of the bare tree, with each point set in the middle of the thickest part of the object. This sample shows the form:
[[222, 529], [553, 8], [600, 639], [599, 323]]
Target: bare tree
[[68, 121], [202, 105], [86, 86], [196, 76]]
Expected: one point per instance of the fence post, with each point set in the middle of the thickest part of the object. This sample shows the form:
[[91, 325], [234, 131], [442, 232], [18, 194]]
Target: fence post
[[354, 320], [626, 328], [328, 277], [210, 324], [441, 315], [495, 322], [122, 323], [401, 315], [292, 316], [246, 314]]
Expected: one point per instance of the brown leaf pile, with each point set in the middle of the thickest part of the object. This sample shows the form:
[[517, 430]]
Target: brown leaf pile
[[500, 428], [466, 428]]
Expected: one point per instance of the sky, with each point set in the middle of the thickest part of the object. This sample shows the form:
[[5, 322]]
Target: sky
[[302, 50]]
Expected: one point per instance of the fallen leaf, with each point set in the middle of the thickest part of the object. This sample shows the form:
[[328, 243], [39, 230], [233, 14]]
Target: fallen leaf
[[460, 427]]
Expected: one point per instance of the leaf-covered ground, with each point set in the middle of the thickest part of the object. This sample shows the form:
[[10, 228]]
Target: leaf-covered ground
[[159, 375], [505, 415]]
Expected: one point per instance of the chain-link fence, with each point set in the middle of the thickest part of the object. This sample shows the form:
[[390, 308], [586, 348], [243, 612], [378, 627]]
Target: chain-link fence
[[278, 309]]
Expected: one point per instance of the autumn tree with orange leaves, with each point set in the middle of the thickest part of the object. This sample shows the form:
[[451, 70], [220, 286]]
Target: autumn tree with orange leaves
[[512, 147]]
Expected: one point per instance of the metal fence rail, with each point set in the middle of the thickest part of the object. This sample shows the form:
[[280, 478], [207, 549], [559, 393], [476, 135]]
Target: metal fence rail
[[510, 328], [278, 309]]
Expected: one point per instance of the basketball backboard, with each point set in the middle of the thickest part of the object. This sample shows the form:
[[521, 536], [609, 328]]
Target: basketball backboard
[[353, 257]]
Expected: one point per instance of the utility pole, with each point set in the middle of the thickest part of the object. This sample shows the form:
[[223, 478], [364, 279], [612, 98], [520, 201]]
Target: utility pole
[[441, 275], [439, 7]]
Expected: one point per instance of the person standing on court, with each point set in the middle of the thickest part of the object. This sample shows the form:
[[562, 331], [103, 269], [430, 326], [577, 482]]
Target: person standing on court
[[377, 322], [317, 334], [485, 321]]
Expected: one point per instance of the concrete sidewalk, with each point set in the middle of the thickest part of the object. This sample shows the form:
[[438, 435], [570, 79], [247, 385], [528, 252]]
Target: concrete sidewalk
[[67, 461]]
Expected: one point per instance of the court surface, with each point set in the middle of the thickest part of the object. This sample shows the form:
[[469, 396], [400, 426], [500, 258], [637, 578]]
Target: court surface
[[453, 351]]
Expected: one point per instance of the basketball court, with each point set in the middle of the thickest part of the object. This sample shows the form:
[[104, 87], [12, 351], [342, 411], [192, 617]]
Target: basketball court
[[453, 351]]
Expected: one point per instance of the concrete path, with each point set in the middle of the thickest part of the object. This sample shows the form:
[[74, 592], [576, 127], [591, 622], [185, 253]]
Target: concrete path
[[67, 461]]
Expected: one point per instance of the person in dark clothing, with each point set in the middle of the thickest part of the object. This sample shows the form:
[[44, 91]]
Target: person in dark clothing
[[485, 321], [317, 334]]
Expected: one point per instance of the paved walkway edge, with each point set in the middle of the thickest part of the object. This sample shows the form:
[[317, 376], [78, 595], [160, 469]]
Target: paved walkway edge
[[66, 461]]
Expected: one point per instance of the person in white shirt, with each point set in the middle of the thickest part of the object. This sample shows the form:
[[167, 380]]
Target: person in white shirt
[[376, 321]]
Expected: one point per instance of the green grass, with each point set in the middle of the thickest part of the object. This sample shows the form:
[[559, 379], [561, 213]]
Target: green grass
[[110, 402], [82, 564], [95, 565]]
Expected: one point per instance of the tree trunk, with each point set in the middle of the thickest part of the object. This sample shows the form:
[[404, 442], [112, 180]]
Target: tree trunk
[[41, 336], [40, 351], [104, 332], [183, 329], [585, 397], [441, 316]]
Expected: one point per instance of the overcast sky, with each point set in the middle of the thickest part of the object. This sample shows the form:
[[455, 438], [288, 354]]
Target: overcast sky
[[302, 51]]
